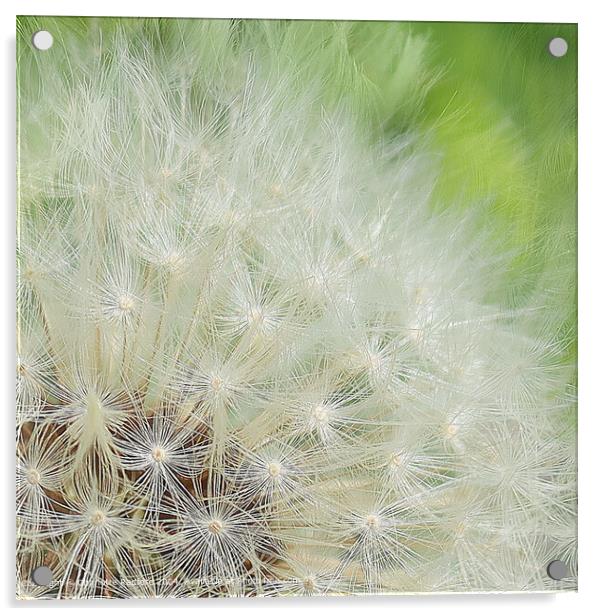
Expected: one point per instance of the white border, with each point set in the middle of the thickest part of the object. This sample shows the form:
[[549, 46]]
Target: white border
[[590, 266], [458, 10]]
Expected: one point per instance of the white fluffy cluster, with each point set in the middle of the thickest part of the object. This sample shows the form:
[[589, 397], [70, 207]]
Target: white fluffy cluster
[[252, 361]]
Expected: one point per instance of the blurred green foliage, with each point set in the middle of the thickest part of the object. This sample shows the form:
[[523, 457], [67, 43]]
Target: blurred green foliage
[[498, 107]]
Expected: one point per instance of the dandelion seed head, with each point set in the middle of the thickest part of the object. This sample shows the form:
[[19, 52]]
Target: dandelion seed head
[[252, 357], [274, 469], [374, 361], [215, 527], [321, 414], [397, 460], [309, 584], [98, 518], [126, 302], [255, 316], [119, 307], [33, 476], [159, 454], [173, 259], [320, 418], [30, 273], [217, 383], [451, 430]]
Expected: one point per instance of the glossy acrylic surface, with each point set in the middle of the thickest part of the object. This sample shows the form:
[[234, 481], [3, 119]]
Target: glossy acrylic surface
[[296, 308]]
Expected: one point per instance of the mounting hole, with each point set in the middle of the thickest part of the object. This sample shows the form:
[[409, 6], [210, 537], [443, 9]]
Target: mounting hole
[[558, 47], [42, 576], [42, 40], [557, 570]]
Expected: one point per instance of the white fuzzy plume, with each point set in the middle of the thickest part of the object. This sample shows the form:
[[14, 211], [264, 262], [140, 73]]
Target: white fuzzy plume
[[252, 360]]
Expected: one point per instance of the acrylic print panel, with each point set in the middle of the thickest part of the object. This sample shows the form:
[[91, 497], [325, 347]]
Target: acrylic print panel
[[296, 308]]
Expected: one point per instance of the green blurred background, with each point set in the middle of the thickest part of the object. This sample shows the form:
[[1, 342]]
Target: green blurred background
[[501, 112], [500, 109]]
